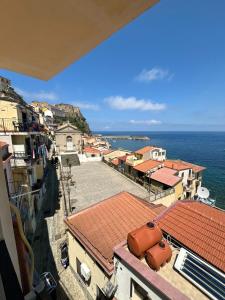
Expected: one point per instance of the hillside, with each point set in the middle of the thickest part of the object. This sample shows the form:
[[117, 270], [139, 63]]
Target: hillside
[[74, 115]]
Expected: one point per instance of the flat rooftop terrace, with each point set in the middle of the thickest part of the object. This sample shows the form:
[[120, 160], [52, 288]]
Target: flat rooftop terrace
[[95, 181]]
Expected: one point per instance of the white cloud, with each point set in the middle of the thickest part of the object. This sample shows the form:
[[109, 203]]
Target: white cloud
[[145, 122], [86, 106], [41, 96], [154, 74], [121, 103]]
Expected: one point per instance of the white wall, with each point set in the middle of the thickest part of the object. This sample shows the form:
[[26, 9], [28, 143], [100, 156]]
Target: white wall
[[83, 158], [123, 278]]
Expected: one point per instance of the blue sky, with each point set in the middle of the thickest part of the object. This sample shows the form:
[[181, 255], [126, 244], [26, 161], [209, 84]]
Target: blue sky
[[163, 71]]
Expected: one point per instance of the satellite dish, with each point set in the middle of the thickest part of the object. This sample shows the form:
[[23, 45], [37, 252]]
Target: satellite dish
[[203, 192]]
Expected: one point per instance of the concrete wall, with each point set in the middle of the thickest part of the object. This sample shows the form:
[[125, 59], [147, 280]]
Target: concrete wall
[[167, 200], [98, 277], [61, 142], [83, 158], [6, 228], [178, 190], [8, 170], [124, 278]]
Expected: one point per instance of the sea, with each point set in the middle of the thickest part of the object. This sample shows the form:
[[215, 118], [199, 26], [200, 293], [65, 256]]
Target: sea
[[204, 148]]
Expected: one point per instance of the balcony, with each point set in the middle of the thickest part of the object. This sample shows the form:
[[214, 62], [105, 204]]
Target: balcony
[[16, 125], [21, 159], [191, 177]]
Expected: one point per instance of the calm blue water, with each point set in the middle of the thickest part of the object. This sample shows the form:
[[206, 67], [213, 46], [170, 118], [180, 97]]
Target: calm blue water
[[203, 148]]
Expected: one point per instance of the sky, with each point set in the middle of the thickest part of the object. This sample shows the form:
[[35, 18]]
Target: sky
[[165, 71]]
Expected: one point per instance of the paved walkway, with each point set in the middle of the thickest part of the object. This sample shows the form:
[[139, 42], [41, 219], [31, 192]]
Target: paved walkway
[[96, 181], [48, 237]]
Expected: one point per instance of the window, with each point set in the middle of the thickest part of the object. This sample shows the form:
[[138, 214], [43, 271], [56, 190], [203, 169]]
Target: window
[[137, 292], [69, 138], [100, 295], [78, 263]]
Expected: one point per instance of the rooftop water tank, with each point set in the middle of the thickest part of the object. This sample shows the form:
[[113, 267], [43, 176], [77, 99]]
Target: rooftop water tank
[[143, 238], [158, 255]]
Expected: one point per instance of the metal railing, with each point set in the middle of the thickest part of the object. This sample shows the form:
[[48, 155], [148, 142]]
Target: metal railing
[[16, 125], [21, 155]]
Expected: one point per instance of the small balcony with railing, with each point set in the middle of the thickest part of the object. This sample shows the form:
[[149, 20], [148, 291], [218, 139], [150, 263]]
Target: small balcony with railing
[[21, 159], [16, 125]]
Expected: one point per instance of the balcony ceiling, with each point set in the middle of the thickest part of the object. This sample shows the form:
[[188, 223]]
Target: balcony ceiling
[[41, 38]]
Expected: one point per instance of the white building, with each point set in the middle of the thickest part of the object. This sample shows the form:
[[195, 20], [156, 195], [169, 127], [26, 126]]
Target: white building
[[151, 152]]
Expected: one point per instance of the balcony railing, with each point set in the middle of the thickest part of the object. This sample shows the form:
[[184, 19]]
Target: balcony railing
[[21, 155], [15, 125]]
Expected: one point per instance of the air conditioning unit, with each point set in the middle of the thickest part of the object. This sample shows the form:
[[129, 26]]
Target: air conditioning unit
[[201, 274], [85, 272]]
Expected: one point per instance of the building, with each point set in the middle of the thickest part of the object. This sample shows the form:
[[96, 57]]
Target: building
[[165, 179], [28, 143], [68, 139], [108, 157], [196, 235], [42, 64], [191, 175], [95, 231], [151, 152], [92, 152], [6, 156], [142, 170]]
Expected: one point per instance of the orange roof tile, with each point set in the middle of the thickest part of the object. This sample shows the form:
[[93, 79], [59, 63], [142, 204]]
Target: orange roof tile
[[104, 225], [166, 176], [145, 149], [147, 165], [199, 227], [91, 150], [115, 161], [106, 151], [180, 165]]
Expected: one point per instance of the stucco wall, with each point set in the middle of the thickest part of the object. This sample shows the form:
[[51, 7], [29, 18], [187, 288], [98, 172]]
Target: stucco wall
[[98, 277], [167, 200], [61, 143], [6, 228], [178, 190], [123, 278], [8, 109]]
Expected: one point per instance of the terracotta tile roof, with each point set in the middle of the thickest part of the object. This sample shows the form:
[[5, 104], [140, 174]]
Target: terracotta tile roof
[[146, 149], [104, 225], [147, 165], [115, 161], [195, 168], [91, 150], [3, 144], [166, 176], [180, 165], [106, 151], [199, 227]]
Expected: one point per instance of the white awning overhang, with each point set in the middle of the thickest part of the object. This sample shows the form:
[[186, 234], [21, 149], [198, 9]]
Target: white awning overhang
[[42, 37]]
